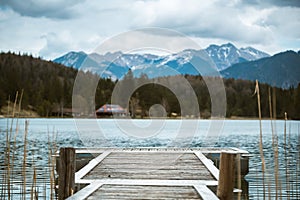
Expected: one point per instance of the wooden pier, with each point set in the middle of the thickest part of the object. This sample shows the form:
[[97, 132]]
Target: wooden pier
[[148, 173]]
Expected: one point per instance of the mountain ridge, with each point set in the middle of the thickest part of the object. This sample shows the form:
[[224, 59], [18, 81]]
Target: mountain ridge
[[114, 64], [244, 63], [281, 70], [226, 55]]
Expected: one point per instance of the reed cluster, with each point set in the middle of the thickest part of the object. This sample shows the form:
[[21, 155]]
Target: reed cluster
[[20, 176], [286, 176]]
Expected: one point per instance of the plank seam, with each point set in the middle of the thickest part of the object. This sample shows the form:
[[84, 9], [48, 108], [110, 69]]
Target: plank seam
[[152, 182], [205, 192], [91, 165], [208, 164], [199, 185], [86, 192]]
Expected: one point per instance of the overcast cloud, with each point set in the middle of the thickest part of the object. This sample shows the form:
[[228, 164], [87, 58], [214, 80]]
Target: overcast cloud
[[50, 28]]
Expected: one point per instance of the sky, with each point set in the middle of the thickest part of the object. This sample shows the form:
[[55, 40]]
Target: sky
[[51, 28]]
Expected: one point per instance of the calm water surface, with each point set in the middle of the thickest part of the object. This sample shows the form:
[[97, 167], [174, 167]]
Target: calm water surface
[[243, 134]]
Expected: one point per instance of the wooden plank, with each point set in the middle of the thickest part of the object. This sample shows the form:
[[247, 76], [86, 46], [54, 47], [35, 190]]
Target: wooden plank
[[86, 191], [168, 155], [205, 192], [92, 164], [156, 182], [209, 164], [151, 167], [151, 175], [127, 172], [204, 150], [144, 192], [137, 165]]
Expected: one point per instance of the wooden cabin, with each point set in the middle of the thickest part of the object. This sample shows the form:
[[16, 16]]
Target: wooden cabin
[[109, 110]]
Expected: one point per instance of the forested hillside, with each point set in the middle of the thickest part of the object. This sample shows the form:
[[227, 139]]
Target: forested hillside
[[241, 101], [281, 70], [45, 84], [48, 90]]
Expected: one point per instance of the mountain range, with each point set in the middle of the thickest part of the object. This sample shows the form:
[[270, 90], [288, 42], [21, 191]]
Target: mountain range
[[227, 54], [280, 70]]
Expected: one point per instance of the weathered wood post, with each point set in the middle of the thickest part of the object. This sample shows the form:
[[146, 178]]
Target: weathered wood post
[[66, 172], [226, 175]]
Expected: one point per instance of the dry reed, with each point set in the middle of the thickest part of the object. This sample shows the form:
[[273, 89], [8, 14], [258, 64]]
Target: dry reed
[[8, 147], [8, 150], [10, 175], [51, 162], [285, 157], [33, 194], [261, 151], [24, 159], [272, 109], [15, 135], [49, 165]]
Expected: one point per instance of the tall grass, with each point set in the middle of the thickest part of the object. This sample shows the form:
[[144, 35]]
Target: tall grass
[[261, 151], [24, 159], [51, 163], [9, 133], [286, 158], [272, 109], [286, 178], [28, 182]]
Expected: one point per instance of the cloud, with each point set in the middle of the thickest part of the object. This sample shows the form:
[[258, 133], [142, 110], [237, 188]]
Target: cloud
[[211, 19], [161, 41], [267, 3], [60, 9], [50, 28], [285, 25], [56, 44]]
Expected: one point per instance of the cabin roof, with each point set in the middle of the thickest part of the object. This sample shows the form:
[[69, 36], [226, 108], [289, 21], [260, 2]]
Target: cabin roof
[[111, 108]]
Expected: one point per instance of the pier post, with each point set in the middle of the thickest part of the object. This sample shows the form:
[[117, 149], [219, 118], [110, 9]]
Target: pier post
[[226, 175], [66, 172]]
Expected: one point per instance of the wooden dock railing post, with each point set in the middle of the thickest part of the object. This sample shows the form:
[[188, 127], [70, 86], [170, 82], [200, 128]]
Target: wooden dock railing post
[[226, 175], [66, 172]]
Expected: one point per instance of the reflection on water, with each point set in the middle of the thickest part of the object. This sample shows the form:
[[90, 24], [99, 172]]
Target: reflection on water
[[196, 133]]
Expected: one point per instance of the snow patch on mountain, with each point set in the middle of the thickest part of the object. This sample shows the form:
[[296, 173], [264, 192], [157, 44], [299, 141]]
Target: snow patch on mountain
[[116, 64], [226, 55]]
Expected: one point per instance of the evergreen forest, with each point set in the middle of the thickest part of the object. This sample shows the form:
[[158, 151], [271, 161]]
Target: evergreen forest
[[47, 89]]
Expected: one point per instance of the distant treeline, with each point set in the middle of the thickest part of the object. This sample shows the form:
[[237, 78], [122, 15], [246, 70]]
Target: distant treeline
[[48, 90]]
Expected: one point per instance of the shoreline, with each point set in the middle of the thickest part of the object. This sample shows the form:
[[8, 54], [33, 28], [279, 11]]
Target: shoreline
[[147, 118]]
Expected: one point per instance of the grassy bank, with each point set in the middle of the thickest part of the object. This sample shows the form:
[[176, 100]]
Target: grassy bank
[[7, 112]]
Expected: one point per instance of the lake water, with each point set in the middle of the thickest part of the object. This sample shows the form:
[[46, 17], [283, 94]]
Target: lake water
[[243, 134]]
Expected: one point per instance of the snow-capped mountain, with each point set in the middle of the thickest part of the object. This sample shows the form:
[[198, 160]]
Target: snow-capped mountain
[[72, 59], [115, 65], [189, 61], [226, 55]]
